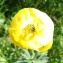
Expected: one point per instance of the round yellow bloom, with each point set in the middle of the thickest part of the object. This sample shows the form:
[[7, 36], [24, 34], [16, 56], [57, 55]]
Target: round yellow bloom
[[32, 29]]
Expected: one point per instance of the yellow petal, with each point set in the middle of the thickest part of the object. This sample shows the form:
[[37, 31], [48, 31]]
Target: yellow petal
[[32, 29]]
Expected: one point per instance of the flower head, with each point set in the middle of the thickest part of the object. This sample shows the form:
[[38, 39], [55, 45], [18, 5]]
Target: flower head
[[32, 29]]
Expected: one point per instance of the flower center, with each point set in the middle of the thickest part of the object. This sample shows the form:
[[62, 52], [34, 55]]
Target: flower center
[[32, 27], [28, 32]]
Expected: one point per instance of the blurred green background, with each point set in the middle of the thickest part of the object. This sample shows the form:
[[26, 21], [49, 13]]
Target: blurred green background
[[10, 53]]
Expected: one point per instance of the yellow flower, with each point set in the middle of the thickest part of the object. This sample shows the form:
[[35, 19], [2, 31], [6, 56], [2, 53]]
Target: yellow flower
[[32, 29]]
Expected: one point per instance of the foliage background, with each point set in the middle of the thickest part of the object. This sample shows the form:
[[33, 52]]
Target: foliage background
[[9, 53]]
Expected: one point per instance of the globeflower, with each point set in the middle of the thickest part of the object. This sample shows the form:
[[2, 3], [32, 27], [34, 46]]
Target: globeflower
[[32, 29]]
